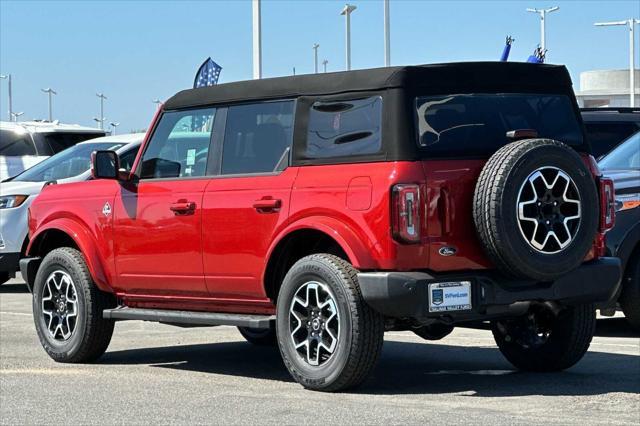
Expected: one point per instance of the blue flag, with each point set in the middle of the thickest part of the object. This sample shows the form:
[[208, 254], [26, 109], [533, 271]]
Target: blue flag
[[207, 74], [507, 49]]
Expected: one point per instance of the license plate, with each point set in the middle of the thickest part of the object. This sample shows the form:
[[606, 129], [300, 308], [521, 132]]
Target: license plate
[[451, 296]]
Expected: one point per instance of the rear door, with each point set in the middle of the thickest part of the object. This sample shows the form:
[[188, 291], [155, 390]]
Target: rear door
[[158, 220], [248, 202]]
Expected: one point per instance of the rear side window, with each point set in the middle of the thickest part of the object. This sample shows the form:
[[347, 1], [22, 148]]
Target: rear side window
[[60, 141], [180, 145], [604, 136], [14, 144], [344, 128], [257, 137], [477, 124]]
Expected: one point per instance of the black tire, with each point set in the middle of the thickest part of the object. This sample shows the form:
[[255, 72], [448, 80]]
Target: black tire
[[361, 329], [495, 210], [91, 334], [259, 336], [570, 333], [4, 277], [630, 296]]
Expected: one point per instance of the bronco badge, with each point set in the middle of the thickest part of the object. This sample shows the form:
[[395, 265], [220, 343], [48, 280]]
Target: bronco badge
[[106, 210]]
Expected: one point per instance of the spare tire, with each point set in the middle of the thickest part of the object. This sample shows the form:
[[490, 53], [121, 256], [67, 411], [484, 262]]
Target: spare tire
[[535, 209]]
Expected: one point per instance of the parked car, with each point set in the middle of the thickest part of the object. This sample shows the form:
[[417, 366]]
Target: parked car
[[315, 212], [608, 127], [25, 144], [623, 241], [17, 193]]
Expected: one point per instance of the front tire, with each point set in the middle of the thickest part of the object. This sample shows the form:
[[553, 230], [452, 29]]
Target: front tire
[[329, 338], [67, 309], [542, 341]]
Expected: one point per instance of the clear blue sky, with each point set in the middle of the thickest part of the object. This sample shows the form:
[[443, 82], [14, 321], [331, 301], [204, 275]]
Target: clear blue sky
[[135, 51]]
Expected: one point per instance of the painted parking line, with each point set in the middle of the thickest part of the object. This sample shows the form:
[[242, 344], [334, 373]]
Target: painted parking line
[[22, 314]]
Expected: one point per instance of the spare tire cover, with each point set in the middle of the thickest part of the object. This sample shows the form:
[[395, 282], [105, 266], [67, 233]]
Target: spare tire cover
[[535, 209]]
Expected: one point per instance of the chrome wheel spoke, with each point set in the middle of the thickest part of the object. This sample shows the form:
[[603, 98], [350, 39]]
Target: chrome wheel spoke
[[60, 305], [314, 323], [548, 210]]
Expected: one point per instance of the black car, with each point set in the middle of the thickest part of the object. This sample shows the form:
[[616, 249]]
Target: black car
[[623, 241], [608, 127]]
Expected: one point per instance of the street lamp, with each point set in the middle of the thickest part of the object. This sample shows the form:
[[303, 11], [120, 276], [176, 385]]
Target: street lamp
[[158, 102], [99, 121], [631, 23], [102, 99], [8, 77], [257, 40], [15, 115], [114, 125], [324, 65], [387, 35], [346, 11], [315, 57], [51, 92], [543, 19]]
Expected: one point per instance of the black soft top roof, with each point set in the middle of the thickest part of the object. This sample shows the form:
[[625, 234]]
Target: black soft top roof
[[461, 77]]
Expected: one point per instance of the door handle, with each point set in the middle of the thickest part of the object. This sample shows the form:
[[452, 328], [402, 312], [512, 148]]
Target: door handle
[[183, 207], [267, 205]]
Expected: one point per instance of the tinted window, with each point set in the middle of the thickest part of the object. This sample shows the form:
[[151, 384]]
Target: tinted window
[[344, 128], [180, 145], [71, 162], [16, 143], [477, 125], [603, 137], [60, 141], [625, 156], [257, 137]]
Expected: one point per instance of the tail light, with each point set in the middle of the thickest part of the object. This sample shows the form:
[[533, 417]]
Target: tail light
[[607, 205], [405, 212]]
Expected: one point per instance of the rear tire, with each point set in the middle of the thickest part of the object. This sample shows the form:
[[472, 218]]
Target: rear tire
[[630, 295], [67, 309], [259, 336], [329, 338], [541, 341]]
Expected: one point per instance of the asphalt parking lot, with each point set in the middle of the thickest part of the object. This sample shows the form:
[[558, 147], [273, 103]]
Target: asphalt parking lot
[[155, 373]]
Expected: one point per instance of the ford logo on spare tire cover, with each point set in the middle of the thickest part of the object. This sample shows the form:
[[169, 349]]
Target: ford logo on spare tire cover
[[447, 251]]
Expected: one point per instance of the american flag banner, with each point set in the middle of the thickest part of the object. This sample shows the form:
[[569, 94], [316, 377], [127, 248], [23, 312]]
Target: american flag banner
[[207, 74]]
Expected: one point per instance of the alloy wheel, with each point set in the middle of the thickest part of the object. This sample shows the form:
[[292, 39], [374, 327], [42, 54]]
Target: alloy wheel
[[60, 305]]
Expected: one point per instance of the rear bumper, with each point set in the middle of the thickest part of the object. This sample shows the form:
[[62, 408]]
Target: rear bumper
[[405, 294]]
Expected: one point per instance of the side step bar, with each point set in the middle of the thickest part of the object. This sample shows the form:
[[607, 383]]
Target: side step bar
[[189, 317]]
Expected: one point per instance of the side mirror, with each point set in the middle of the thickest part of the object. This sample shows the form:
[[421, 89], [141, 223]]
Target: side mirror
[[104, 165]]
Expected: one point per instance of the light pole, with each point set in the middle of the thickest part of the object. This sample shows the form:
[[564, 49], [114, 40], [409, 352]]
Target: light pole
[[8, 77], [631, 23], [543, 19], [158, 102], [387, 35], [346, 11], [315, 57], [15, 115], [99, 121], [102, 99], [257, 40], [114, 125], [51, 92], [324, 65]]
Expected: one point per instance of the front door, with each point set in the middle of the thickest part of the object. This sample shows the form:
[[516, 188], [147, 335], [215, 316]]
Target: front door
[[158, 220]]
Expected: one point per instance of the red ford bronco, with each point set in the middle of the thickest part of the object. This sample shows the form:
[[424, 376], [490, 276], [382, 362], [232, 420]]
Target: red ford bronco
[[315, 212]]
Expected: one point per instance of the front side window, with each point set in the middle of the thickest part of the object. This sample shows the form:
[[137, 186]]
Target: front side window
[[477, 124], [16, 144], [344, 128], [625, 156], [179, 146], [257, 137]]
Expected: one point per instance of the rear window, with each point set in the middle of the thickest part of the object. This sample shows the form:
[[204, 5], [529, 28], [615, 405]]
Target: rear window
[[344, 128], [59, 141], [16, 144], [477, 124]]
